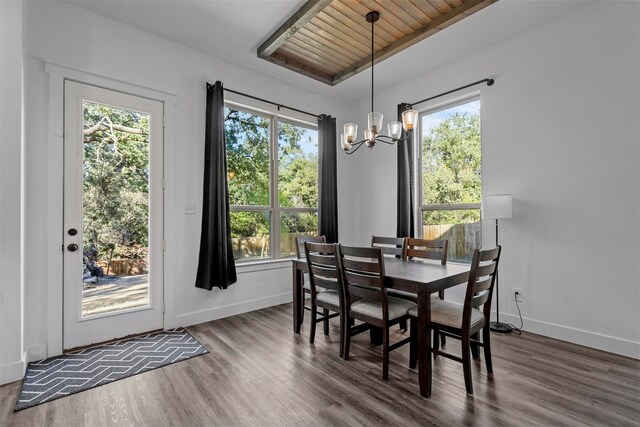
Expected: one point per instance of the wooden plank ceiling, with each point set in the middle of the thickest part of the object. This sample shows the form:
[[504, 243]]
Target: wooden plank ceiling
[[330, 40]]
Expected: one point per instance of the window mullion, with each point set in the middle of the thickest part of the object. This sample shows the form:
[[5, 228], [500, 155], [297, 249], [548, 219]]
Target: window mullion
[[275, 208]]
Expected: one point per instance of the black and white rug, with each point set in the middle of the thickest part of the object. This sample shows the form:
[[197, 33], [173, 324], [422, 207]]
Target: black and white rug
[[71, 373]]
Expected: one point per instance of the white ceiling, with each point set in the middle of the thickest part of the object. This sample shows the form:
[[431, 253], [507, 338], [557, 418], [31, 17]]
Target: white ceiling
[[233, 30]]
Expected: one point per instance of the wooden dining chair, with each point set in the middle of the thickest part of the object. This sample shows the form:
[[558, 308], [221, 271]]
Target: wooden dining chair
[[464, 321], [423, 249], [391, 246], [363, 278], [306, 289], [325, 274], [427, 249]]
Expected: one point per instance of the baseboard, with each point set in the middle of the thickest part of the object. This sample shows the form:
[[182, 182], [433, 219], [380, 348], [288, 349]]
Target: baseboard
[[608, 343], [11, 372], [36, 352], [231, 310]]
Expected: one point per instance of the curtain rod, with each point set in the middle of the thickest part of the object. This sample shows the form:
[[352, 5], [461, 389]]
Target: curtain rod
[[488, 81], [270, 102]]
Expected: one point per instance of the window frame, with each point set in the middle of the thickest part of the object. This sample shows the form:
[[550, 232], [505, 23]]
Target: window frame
[[421, 207], [275, 210]]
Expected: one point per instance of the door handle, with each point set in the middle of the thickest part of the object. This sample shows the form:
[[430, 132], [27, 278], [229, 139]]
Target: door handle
[[72, 247]]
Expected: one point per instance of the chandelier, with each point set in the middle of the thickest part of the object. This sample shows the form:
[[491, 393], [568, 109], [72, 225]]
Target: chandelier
[[374, 119]]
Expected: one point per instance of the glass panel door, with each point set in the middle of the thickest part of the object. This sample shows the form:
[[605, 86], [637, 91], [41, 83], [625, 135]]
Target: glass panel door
[[113, 207]]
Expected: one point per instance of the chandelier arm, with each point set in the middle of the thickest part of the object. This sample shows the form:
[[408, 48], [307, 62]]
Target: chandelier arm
[[391, 142], [394, 139], [357, 145]]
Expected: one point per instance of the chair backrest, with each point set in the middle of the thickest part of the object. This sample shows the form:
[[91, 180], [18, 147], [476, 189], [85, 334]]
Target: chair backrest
[[423, 248], [391, 246], [300, 241], [324, 267], [484, 269], [363, 275]]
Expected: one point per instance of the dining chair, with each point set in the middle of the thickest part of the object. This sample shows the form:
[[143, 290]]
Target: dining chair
[[306, 289], [325, 274], [363, 278], [427, 249], [464, 321], [423, 249], [391, 246]]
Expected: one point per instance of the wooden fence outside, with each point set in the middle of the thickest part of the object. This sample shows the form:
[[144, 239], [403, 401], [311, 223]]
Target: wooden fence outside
[[124, 267], [258, 247], [463, 238]]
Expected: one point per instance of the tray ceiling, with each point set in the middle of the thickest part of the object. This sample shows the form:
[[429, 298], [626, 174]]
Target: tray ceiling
[[330, 40]]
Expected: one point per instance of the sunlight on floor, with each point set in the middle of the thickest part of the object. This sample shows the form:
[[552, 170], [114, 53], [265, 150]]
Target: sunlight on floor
[[115, 294]]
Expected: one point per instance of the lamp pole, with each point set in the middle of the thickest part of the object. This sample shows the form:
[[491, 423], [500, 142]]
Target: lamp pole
[[497, 326]]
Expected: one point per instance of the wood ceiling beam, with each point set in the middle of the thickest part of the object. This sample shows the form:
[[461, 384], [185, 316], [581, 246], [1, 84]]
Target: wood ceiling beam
[[300, 67], [437, 24], [291, 26]]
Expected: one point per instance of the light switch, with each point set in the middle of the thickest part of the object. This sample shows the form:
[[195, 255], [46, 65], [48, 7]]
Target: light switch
[[190, 209]]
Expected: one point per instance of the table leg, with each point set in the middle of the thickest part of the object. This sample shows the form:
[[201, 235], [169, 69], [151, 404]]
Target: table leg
[[424, 342], [298, 302]]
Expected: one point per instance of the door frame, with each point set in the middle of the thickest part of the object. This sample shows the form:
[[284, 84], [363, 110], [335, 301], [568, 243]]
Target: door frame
[[54, 236]]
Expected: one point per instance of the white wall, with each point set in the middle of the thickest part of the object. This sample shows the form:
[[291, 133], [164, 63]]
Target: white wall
[[11, 291], [62, 34], [560, 132]]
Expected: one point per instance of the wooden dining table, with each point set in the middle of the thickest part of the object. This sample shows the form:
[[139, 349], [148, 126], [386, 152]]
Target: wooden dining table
[[421, 278]]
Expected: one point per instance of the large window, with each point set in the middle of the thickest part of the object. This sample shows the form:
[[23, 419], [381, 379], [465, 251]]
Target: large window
[[273, 182], [451, 184]]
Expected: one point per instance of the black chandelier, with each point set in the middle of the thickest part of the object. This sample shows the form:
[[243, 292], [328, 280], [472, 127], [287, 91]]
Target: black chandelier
[[374, 119]]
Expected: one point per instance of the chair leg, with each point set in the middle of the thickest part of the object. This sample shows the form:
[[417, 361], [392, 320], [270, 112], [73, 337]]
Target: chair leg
[[443, 337], [436, 342], [403, 325], [312, 329], [347, 338], [486, 341], [325, 313], [343, 329], [413, 343], [466, 363], [304, 295], [385, 353], [475, 350]]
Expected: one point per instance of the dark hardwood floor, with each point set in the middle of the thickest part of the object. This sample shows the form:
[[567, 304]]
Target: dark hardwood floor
[[259, 373]]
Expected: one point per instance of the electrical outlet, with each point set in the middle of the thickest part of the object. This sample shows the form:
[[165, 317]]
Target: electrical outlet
[[517, 295], [189, 209]]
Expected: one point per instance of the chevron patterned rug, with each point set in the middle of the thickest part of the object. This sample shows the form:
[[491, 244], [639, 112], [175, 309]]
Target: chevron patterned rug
[[71, 373]]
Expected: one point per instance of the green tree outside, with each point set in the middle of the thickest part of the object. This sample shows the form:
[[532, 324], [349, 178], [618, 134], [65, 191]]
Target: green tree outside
[[248, 144], [451, 168], [115, 181]]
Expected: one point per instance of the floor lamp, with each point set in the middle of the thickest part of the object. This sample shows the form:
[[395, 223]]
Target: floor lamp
[[497, 207]]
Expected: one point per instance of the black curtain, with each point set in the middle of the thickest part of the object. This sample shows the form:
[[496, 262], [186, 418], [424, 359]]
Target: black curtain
[[405, 224], [216, 266], [328, 179]]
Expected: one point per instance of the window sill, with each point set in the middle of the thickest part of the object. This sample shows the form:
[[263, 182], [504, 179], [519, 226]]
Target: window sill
[[271, 264]]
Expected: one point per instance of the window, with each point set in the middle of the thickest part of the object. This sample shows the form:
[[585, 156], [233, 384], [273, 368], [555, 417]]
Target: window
[[451, 182], [272, 166]]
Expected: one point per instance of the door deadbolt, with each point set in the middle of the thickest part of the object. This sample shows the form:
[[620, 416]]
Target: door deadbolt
[[72, 232]]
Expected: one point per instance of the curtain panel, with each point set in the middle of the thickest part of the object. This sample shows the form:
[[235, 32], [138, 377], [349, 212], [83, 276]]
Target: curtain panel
[[327, 179], [405, 183], [216, 266]]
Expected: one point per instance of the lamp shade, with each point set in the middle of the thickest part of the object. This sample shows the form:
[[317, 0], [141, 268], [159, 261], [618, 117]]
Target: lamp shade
[[498, 206]]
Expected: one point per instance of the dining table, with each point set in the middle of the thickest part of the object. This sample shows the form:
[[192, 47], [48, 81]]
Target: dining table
[[422, 278]]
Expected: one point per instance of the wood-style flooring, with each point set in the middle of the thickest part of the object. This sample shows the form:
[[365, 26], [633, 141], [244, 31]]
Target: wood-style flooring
[[259, 373]]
